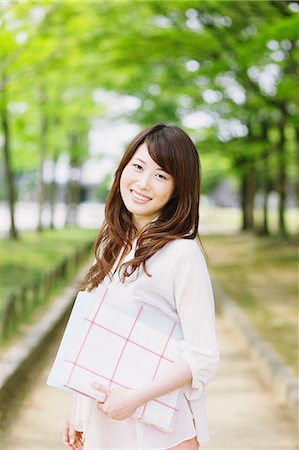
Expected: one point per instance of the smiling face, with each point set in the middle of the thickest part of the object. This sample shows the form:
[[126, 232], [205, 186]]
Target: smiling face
[[145, 187]]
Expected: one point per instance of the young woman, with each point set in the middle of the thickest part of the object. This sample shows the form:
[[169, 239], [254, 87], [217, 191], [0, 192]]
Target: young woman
[[149, 245]]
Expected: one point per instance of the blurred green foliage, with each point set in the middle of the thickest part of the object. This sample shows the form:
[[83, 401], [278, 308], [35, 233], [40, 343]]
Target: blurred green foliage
[[231, 66], [25, 261]]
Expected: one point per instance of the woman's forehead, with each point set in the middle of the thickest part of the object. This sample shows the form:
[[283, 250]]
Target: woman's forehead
[[142, 151], [142, 154]]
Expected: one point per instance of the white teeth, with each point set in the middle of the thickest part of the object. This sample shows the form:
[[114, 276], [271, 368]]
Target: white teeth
[[139, 197]]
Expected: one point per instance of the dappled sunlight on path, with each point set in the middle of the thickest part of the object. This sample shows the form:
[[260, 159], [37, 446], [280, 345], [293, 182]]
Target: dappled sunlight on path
[[242, 411]]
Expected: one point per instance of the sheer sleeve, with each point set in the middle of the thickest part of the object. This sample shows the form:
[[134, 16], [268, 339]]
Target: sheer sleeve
[[82, 409], [195, 305]]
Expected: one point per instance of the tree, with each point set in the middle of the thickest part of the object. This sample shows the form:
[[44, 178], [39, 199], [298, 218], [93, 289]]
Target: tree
[[206, 59]]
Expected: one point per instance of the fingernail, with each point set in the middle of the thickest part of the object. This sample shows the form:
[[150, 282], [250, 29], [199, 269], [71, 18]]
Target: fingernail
[[72, 441]]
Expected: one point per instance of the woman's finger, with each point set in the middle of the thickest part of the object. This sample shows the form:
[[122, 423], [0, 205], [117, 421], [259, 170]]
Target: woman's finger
[[101, 387], [72, 435], [78, 444], [81, 445], [65, 437], [69, 437], [100, 405]]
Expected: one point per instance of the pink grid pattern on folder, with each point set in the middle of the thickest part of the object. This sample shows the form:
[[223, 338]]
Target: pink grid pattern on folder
[[126, 348]]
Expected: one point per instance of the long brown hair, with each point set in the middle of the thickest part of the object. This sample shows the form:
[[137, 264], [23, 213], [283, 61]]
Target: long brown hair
[[173, 150]]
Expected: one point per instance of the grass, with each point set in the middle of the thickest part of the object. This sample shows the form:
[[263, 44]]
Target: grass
[[261, 275], [24, 261]]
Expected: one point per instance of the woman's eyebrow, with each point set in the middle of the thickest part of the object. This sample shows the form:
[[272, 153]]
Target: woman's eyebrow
[[143, 162]]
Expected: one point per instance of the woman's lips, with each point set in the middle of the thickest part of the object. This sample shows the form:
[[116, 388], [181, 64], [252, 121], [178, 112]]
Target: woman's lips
[[139, 197]]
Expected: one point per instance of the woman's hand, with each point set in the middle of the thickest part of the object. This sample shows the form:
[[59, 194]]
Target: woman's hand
[[120, 403], [72, 439]]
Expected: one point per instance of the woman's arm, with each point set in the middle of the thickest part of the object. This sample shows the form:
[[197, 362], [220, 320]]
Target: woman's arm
[[121, 403], [172, 378]]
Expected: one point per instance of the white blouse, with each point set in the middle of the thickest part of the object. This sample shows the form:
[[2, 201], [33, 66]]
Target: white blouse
[[180, 286]]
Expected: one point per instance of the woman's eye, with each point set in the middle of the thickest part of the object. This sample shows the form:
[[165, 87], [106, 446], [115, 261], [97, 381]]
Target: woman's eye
[[137, 166], [162, 177]]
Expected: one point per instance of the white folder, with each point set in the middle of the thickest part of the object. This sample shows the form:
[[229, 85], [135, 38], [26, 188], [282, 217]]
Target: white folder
[[118, 343]]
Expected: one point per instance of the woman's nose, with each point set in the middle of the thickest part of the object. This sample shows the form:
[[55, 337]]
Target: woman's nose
[[144, 181]]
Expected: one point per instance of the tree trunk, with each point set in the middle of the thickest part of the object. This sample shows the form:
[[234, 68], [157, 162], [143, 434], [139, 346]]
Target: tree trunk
[[42, 153], [281, 179], [52, 194], [265, 227], [297, 166], [73, 195], [69, 204], [247, 198], [266, 179], [10, 188], [73, 188]]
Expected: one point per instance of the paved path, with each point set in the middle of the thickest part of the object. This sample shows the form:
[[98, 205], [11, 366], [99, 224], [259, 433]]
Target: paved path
[[242, 412]]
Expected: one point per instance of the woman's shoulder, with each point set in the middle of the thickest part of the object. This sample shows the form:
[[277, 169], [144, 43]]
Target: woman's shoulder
[[177, 255], [183, 248]]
